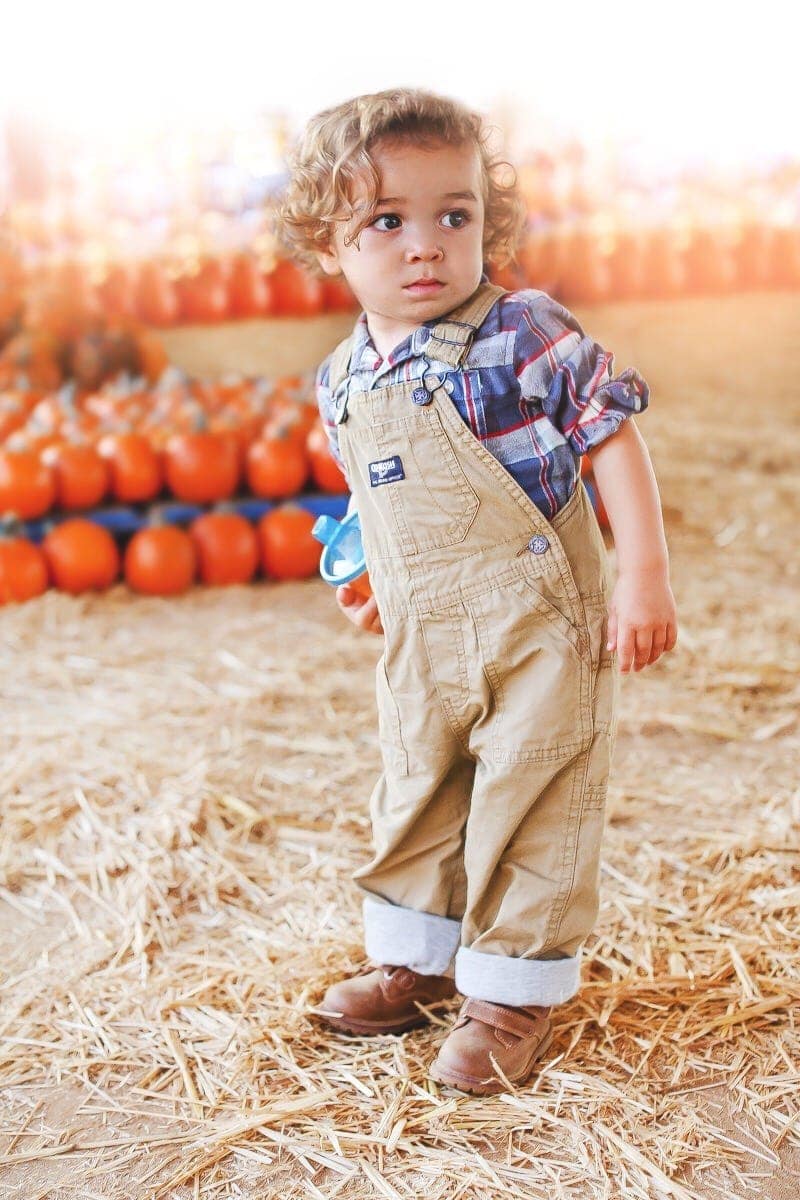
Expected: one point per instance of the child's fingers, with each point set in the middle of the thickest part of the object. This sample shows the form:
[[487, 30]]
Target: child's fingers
[[634, 647], [626, 647], [363, 613], [659, 642], [644, 645], [345, 595], [611, 632]]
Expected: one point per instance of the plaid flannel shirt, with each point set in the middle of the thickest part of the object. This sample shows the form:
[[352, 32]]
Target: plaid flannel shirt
[[533, 388]]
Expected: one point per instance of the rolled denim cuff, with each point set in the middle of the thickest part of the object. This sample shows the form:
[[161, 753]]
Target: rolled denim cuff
[[516, 981], [405, 937]]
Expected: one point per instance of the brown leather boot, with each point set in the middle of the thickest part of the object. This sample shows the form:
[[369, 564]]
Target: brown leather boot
[[383, 1000], [514, 1037]]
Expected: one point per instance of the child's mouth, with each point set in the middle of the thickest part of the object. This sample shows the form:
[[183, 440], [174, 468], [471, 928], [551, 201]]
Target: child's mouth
[[424, 287]]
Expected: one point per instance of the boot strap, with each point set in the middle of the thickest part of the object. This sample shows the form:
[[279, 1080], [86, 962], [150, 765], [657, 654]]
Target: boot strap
[[499, 1016]]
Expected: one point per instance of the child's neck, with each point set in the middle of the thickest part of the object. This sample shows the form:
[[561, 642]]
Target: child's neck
[[387, 335]]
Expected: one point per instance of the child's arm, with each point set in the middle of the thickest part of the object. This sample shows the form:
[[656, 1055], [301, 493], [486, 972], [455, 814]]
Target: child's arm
[[642, 617]]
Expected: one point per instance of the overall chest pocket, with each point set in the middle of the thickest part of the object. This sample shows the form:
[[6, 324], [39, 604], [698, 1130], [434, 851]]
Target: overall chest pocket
[[413, 484]]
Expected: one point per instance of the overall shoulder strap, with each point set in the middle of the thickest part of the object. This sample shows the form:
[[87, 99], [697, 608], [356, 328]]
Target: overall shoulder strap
[[340, 361], [450, 339]]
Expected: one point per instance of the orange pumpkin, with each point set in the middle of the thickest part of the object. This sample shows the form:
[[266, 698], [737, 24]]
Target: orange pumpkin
[[117, 292], [34, 354], [753, 255], [82, 476], [136, 470], [156, 299], [81, 556], [288, 549], [227, 548], [14, 408], [338, 295], [62, 303], [250, 293], [710, 267], [204, 296], [325, 471], [277, 467], [663, 265], [586, 278], [202, 467], [297, 294], [785, 256], [27, 485], [510, 276], [160, 561], [543, 257], [23, 569], [626, 264]]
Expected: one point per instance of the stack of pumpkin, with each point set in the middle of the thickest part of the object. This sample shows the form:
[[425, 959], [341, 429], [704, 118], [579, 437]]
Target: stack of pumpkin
[[219, 548], [578, 263], [200, 443], [68, 297]]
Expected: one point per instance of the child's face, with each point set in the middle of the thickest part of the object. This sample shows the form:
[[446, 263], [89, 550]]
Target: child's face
[[419, 231]]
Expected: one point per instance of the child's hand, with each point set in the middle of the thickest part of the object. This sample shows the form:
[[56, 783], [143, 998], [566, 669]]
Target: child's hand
[[363, 613], [642, 621]]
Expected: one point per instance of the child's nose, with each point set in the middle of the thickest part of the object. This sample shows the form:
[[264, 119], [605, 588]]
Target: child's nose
[[424, 251]]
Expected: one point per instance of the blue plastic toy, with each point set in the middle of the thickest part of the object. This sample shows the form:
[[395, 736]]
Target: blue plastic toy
[[343, 557]]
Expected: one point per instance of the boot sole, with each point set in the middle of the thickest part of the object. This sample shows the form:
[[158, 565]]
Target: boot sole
[[350, 1025], [488, 1087]]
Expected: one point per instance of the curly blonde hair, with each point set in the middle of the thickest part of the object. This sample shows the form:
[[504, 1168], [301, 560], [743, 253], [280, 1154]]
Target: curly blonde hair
[[333, 152]]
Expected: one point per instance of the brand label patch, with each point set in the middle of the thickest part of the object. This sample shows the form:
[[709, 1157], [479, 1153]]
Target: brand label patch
[[386, 470]]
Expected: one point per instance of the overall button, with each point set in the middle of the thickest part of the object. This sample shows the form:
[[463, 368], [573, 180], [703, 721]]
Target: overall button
[[538, 544], [420, 396]]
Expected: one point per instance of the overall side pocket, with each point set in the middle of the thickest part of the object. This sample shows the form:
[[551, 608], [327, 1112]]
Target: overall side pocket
[[393, 750], [605, 696]]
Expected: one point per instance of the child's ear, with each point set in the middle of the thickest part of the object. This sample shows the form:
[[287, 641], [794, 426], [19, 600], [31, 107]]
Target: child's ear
[[329, 261]]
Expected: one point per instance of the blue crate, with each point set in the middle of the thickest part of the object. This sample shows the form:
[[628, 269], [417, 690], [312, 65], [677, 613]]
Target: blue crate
[[123, 520]]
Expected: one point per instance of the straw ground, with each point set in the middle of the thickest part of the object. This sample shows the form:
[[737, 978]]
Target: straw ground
[[184, 792]]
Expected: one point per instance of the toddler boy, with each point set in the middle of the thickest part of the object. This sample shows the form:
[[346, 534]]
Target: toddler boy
[[459, 412]]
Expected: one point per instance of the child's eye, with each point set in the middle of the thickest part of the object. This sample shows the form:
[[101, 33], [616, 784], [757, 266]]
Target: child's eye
[[461, 215], [386, 217]]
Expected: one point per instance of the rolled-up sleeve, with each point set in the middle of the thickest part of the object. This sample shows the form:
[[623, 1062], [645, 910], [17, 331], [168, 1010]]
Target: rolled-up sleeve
[[572, 376]]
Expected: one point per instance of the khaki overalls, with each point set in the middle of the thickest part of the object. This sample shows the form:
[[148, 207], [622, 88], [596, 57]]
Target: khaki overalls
[[496, 695]]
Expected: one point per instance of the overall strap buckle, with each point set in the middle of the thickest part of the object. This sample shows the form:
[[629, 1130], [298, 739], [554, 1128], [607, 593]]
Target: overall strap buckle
[[451, 338]]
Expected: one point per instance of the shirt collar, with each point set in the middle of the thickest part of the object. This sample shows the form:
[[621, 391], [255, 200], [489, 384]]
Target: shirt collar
[[366, 358]]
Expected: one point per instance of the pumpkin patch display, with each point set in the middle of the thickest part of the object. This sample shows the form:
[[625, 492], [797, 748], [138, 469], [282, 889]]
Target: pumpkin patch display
[[81, 556], [227, 548], [288, 548], [160, 561]]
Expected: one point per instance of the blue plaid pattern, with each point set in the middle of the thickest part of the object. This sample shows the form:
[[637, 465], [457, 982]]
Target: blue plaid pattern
[[533, 388]]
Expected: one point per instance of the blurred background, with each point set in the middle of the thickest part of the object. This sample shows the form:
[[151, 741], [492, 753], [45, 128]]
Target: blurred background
[[142, 151], [657, 155]]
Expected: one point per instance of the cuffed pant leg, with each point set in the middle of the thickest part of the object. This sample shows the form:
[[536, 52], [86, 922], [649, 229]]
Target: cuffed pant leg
[[405, 937], [415, 887], [531, 854]]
